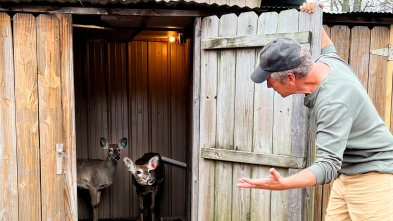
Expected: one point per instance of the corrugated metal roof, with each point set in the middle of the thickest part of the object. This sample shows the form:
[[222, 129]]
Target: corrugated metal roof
[[156, 4]]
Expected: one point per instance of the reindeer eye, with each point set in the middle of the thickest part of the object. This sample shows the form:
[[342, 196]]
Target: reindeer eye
[[110, 150], [118, 150], [138, 172]]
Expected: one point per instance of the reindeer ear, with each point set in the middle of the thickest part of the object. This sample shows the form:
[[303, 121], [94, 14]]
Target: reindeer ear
[[128, 164], [103, 143], [122, 143], [153, 163]]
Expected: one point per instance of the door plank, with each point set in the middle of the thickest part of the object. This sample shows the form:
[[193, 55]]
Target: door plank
[[378, 68], [225, 118], [244, 101], [8, 148], [360, 52], [208, 111], [50, 115], [68, 106]]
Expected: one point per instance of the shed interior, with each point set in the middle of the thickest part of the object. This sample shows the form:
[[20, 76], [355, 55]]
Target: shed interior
[[130, 81]]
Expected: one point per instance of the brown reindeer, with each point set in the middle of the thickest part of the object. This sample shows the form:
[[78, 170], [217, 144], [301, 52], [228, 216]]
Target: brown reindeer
[[148, 174], [97, 175]]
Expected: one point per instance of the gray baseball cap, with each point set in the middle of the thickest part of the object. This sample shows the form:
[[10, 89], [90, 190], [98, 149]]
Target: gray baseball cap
[[278, 55]]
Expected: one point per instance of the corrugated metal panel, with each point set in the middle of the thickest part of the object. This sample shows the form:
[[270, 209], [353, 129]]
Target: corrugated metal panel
[[181, 4]]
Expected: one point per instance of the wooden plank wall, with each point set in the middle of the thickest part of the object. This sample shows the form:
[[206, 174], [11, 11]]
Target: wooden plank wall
[[8, 151], [237, 114], [136, 90], [27, 115], [35, 119], [353, 45]]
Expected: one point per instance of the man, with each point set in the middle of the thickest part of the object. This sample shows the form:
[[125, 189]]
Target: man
[[354, 147]]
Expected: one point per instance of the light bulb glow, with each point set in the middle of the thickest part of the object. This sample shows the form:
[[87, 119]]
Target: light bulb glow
[[172, 39]]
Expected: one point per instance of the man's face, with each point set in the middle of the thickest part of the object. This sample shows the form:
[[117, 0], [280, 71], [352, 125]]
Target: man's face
[[284, 89]]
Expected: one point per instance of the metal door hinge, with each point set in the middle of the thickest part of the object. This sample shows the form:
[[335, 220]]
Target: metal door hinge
[[386, 52]]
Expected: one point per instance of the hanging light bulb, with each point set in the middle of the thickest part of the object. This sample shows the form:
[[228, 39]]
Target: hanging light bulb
[[172, 39]]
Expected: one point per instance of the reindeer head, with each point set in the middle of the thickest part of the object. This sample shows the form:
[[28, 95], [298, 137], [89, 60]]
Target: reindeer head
[[113, 149], [144, 174]]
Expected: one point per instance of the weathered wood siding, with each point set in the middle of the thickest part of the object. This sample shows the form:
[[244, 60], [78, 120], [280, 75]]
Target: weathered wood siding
[[8, 150], [136, 90], [353, 45], [38, 183], [239, 116]]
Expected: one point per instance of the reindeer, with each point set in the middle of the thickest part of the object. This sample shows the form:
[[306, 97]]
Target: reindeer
[[96, 175], [148, 173]]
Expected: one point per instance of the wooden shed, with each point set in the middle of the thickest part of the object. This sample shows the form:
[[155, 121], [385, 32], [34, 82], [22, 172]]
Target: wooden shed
[[74, 71]]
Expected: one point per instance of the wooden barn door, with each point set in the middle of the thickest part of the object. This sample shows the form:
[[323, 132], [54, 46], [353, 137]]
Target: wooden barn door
[[37, 118], [242, 129]]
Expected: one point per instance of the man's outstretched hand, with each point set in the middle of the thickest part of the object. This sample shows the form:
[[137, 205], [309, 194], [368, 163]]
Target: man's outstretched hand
[[273, 182]]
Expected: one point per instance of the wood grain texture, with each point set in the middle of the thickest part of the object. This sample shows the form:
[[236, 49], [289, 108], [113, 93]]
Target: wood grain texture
[[378, 68], [68, 106], [340, 37], [208, 109], [50, 115], [225, 118], [25, 55], [195, 119], [360, 52], [8, 140], [244, 101], [253, 40]]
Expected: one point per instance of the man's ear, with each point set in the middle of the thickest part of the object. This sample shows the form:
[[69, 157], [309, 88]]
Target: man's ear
[[291, 78]]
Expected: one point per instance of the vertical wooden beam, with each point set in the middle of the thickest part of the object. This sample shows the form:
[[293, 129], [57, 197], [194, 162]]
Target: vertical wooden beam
[[25, 54], [68, 107], [378, 70], [8, 153], [208, 109], [247, 24], [388, 106], [195, 119], [50, 115], [225, 118]]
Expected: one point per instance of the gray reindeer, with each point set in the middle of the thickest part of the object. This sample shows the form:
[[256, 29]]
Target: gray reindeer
[[148, 174], [97, 175]]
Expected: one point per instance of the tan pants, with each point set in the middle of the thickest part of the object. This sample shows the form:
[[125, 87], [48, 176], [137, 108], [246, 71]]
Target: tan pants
[[365, 197]]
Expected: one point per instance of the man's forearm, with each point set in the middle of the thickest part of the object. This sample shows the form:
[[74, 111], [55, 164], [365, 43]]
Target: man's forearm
[[304, 178]]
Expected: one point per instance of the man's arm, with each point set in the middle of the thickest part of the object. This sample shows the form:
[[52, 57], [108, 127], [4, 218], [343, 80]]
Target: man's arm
[[304, 178], [309, 8]]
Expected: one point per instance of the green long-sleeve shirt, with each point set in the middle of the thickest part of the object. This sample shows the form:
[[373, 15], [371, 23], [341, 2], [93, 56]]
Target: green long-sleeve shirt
[[351, 138]]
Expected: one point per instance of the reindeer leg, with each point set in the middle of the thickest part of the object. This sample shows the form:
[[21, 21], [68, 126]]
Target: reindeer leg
[[153, 203], [140, 196], [95, 200]]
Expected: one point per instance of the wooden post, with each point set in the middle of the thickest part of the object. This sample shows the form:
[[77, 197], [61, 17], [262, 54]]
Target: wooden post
[[388, 106], [25, 54], [8, 158], [68, 106], [50, 115], [195, 134]]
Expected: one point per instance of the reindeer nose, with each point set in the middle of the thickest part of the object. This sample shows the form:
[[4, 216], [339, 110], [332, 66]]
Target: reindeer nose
[[117, 157], [150, 181]]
